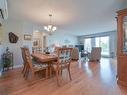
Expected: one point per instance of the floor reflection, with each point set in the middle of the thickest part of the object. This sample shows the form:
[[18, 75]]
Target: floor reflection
[[106, 69]]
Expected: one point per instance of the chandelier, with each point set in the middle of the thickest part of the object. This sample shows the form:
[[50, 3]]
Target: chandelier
[[50, 28]]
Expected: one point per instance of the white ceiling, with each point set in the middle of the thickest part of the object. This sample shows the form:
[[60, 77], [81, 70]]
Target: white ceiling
[[77, 17]]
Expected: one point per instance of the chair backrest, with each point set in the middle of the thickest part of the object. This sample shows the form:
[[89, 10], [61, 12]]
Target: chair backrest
[[56, 49], [27, 58], [75, 53], [37, 49], [23, 55], [64, 55], [96, 52]]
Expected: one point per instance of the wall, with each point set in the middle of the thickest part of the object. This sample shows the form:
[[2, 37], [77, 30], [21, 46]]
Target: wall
[[112, 37], [1, 52], [124, 4], [19, 28], [1, 46], [61, 38]]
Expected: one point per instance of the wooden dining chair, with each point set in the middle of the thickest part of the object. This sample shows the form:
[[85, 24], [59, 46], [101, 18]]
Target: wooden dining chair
[[30, 66], [24, 62], [63, 62]]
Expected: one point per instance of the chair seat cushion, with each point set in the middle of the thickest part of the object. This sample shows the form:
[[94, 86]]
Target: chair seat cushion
[[39, 66]]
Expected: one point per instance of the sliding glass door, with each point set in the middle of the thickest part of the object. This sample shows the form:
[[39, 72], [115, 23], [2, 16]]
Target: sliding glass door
[[87, 44], [103, 42]]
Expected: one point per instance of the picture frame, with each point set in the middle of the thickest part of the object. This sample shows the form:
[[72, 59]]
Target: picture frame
[[27, 37], [36, 42]]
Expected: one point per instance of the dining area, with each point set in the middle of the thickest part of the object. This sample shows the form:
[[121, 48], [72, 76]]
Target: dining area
[[49, 65]]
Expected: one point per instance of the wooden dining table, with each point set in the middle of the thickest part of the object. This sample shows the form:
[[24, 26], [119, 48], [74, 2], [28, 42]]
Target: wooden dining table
[[45, 58]]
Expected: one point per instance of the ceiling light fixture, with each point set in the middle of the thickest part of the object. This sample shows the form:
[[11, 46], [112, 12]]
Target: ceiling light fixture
[[50, 27]]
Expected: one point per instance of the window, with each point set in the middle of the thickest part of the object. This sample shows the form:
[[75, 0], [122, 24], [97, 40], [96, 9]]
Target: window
[[87, 44], [103, 42]]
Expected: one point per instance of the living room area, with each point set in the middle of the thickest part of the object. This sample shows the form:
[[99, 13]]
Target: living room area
[[68, 47]]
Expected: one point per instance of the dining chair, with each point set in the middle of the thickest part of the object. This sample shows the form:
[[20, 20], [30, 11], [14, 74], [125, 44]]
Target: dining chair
[[29, 65], [37, 49], [63, 62], [24, 62]]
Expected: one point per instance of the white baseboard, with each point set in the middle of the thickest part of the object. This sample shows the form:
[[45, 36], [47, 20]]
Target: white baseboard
[[18, 66]]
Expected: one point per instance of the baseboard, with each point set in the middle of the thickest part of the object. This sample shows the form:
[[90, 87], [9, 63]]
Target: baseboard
[[17, 66]]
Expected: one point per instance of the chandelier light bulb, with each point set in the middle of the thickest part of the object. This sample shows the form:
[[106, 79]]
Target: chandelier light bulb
[[54, 28]]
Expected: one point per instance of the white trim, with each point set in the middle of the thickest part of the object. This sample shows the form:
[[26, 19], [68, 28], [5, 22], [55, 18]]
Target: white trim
[[0, 73], [18, 66]]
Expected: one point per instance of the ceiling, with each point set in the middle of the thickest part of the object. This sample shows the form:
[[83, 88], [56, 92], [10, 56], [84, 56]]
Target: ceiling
[[77, 17]]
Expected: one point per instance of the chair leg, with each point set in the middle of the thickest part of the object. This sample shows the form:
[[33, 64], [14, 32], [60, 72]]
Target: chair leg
[[50, 71], [69, 73], [23, 68], [57, 77], [61, 72], [46, 73], [26, 73]]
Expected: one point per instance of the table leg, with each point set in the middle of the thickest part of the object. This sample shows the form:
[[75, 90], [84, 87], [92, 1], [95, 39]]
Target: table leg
[[50, 69]]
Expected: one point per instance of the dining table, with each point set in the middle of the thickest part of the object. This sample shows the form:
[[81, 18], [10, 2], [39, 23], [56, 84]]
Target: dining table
[[45, 58]]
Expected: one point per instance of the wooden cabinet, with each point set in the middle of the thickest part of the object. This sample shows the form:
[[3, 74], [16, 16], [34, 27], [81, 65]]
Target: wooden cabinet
[[122, 47]]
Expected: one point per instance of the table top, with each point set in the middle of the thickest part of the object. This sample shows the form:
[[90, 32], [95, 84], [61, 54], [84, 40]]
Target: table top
[[44, 57]]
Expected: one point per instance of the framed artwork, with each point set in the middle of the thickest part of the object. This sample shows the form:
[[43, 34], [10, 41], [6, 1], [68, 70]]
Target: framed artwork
[[27, 37], [13, 38], [36, 43]]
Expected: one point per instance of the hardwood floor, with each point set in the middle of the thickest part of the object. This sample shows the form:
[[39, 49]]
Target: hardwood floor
[[87, 79]]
